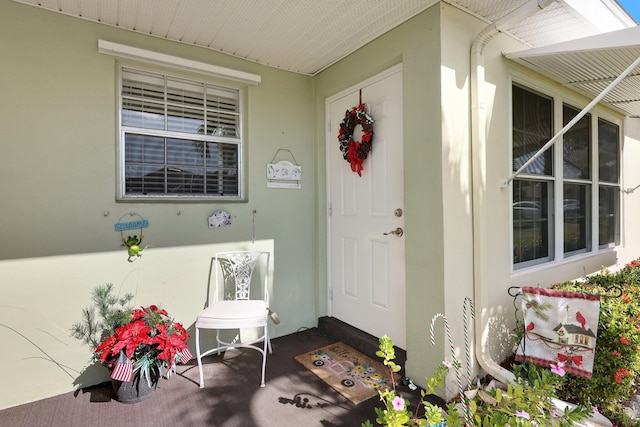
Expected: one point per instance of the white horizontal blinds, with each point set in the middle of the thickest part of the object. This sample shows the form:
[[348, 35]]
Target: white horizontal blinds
[[223, 113], [144, 164], [185, 106], [223, 177], [142, 100], [181, 136]]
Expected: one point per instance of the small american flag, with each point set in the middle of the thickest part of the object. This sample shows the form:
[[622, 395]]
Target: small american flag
[[185, 355], [123, 370]]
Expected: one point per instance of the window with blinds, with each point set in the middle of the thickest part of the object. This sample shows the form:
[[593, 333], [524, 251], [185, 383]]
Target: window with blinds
[[180, 138]]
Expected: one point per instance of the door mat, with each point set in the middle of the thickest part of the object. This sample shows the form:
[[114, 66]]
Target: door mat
[[351, 373]]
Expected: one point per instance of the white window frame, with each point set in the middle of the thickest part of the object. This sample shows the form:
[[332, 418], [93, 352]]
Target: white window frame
[[556, 243], [123, 131]]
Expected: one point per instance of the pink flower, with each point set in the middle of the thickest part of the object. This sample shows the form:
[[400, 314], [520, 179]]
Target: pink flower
[[558, 368], [595, 410], [447, 364], [624, 340], [522, 414], [398, 403]]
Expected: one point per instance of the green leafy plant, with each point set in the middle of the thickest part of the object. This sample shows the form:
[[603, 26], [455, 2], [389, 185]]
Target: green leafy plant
[[528, 402], [100, 320], [616, 366]]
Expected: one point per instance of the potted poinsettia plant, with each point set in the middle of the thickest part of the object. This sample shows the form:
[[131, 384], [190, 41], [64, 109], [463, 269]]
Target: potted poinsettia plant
[[137, 344]]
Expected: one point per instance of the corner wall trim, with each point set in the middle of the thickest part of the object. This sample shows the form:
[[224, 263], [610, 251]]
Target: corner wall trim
[[130, 52]]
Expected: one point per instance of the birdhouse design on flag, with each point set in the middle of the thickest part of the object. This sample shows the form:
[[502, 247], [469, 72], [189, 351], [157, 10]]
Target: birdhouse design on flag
[[560, 331], [575, 334]]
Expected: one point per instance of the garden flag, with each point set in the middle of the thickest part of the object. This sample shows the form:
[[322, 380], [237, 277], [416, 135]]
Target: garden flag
[[560, 330], [123, 370]]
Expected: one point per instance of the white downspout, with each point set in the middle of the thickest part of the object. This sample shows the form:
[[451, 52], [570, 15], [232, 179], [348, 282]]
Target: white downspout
[[478, 162]]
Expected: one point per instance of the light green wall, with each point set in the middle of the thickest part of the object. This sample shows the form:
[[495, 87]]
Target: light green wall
[[57, 180], [415, 44], [59, 145]]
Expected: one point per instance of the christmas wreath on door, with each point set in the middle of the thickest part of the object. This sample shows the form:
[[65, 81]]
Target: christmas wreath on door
[[355, 152]]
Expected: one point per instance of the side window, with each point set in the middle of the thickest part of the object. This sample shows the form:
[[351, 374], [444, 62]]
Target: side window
[[533, 189], [179, 138], [584, 193], [576, 173], [608, 184]]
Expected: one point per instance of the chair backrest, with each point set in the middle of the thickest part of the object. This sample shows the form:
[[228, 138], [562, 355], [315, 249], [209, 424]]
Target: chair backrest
[[235, 273]]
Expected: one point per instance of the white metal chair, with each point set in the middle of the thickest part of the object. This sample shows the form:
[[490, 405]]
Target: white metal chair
[[236, 310]]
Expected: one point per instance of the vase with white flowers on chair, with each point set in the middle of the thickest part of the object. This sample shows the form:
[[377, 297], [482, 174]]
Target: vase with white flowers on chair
[[139, 345]]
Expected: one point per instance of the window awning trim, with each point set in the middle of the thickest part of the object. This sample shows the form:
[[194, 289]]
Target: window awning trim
[[550, 52], [152, 57]]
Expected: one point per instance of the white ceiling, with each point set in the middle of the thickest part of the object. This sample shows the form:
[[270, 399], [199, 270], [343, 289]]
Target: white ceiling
[[304, 36]]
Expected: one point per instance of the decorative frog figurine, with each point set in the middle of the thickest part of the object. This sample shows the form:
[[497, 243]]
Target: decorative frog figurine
[[133, 245]]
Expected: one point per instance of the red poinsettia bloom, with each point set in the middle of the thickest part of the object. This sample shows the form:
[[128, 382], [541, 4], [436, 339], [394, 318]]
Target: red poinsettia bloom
[[105, 348], [137, 313], [169, 344], [150, 337], [130, 336], [155, 309]]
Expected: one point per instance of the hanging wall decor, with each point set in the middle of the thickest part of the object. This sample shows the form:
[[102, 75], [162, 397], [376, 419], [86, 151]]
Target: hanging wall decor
[[284, 174], [219, 219], [132, 241], [355, 152]]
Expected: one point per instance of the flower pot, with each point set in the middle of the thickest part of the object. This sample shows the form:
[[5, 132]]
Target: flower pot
[[135, 390]]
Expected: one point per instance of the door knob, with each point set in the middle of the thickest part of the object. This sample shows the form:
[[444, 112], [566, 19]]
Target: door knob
[[397, 232]]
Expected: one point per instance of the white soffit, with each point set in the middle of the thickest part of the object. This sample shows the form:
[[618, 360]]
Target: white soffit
[[590, 64], [301, 36]]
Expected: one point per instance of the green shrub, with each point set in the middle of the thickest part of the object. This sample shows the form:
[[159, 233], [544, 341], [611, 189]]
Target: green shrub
[[616, 366]]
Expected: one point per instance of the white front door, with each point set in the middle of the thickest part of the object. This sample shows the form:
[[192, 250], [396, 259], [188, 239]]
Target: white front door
[[366, 266]]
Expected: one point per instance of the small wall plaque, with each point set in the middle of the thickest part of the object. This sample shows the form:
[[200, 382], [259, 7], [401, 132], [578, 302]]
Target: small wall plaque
[[219, 219], [284, 174]]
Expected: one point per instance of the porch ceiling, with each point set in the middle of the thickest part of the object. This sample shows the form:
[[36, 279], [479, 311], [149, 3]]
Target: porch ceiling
[[591, 64], [303, 36]]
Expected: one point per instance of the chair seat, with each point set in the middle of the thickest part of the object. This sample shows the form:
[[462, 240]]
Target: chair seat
[[238, 311], [230, 314]]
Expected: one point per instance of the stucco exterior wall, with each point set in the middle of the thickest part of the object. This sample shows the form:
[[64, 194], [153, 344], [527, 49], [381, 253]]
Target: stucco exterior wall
[[415, 44], [488, 274], [58, 142]]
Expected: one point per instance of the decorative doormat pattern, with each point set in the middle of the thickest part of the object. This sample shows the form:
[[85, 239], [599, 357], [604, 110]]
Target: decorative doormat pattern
[[351, 373]]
